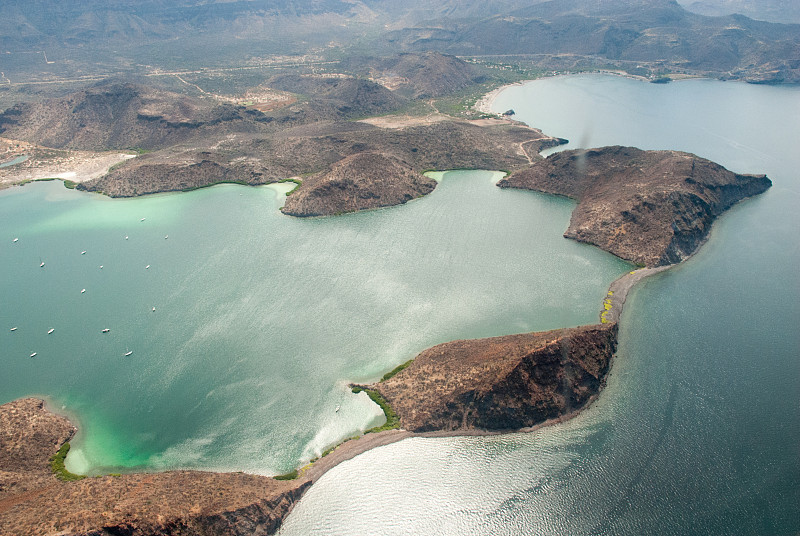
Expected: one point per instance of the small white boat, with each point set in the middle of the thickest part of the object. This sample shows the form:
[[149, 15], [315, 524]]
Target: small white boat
[[147, 267], [154, 309], [142, 219], [126, 237], [51, 330], [83, 252], [15, 240], [126, 354], [33, 354], [41, 265], [166, 236], [101, 266], [338, 408], [105, 330], [14, 329], [83, 290]]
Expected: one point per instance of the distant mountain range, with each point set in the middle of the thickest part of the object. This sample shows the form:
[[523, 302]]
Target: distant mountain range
[[633, 30], [192, 31], [785, 11]]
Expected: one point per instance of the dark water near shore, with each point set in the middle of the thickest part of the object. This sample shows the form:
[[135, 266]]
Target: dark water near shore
[[261, 319], [698, 431]]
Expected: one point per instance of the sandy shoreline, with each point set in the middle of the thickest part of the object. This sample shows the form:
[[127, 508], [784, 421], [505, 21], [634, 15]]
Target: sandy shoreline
[[618, 291], [45, 163], [484, 104]]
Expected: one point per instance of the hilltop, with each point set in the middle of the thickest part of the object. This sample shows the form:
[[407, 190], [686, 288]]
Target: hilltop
[[118, 115]]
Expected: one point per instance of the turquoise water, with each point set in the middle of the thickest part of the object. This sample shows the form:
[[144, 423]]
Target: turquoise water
[[261, 320], [698, 429]]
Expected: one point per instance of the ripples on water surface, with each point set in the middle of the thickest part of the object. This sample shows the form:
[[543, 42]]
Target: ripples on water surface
[[699, 427]]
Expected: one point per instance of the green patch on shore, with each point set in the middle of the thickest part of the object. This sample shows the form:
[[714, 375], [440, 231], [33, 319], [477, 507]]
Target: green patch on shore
[[392, 420], [193, 188], [291, 475], [392, 373], [139, 150], [298, 182], [58, 468]]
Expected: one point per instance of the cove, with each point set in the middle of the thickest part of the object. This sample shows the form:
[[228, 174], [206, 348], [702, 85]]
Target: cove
[[246, 325], [697, 429]]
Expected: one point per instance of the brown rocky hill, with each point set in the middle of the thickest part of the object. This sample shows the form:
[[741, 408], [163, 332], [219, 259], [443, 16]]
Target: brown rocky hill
[[314, 148], [34, 501], [119, 115], [652, 208], [418, 75], [334, 97], [502, 383], [358, 182]]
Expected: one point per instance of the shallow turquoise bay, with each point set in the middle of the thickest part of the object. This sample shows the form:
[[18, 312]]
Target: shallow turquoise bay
[[261, 320]]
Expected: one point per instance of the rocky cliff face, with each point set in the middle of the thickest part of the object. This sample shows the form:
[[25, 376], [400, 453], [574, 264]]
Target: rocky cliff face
[[502, 383], [652, 208], [358, 182], [34, 501]]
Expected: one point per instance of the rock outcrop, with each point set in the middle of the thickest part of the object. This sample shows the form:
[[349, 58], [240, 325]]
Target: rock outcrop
[[34, 501], [358, 182], [652, 208], [502, 383]]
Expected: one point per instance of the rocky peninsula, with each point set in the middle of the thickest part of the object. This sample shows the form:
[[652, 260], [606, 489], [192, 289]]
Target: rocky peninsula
[[652, 208], [502, 383]]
